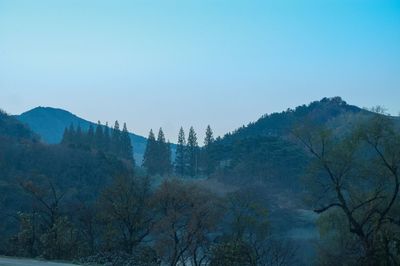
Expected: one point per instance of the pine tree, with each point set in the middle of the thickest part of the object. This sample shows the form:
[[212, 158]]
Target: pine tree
[[180, 160], [150, 156], [168, 159], [192, 153], [163, 158], [207, 152], [126, 145], [69, 136], [116, 139], [99, 137], [209, 139]]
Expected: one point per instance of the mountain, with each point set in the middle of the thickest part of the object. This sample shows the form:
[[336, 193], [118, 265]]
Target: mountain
[[266, 151], [280, 124], [333, 112], [49, 123]]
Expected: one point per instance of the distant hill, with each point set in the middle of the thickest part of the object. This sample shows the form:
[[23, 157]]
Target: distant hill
[[333, 112], [265, 150], [49, 123], [280, 124]]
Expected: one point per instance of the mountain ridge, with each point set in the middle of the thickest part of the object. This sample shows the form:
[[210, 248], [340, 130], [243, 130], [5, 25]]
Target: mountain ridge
[[262, 145], [50, 122]]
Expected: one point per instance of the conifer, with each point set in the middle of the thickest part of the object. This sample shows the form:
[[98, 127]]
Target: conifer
[[180, 160]]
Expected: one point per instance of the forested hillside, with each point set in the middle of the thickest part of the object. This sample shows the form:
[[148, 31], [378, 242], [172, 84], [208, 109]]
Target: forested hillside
[[310, 186], [47, 180], [77, 201], [50, 123], [267, 150]]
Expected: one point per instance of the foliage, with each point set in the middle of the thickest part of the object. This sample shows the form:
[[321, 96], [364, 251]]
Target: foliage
[[118, 144], [157, 157], [186, 216], [232, 253], [357, 173], [180, 160], [192, 150], [124, 209]]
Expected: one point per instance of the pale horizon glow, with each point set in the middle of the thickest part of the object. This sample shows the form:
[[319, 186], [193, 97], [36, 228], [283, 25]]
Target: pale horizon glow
[[180, 63]]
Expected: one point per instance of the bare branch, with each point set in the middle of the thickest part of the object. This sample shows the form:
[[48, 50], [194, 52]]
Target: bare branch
[[328, 207]]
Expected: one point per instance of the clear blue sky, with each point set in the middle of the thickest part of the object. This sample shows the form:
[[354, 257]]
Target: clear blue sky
[[219, 62]]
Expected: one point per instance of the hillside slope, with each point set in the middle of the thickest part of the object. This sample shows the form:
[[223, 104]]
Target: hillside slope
[[280, 124], [266, 151], [26, 163], [49, 123]]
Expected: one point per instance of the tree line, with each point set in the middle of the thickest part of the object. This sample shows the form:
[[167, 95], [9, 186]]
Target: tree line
[[102, 138], [190, 159], [133, 223]]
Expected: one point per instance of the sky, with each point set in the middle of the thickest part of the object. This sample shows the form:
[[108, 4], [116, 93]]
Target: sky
[[171, 63]]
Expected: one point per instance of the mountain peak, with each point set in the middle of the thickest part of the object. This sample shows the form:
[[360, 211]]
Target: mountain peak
[[335, 100], [40, 110], [277, 124]]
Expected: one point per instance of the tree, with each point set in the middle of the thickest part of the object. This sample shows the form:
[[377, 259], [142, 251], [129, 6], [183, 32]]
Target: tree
[[124, 207], [246, 238], [192, 153], [187, 216], [168, 158], [232, 253], [150, 154], [180, 160], [356, 173], [126, 145], [163, 154], [26, 242], [69, 136], [61, 241], [99, 137], [209, 139], [207, 152], [58, 239], [87, 225], [248, 226], [47, 198], [116, 139]]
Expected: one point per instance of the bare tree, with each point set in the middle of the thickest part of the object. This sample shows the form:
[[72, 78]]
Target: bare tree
[[358, 173], [187, 214], [58, 238], [47, 198], [124, 207], [248, 239]]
